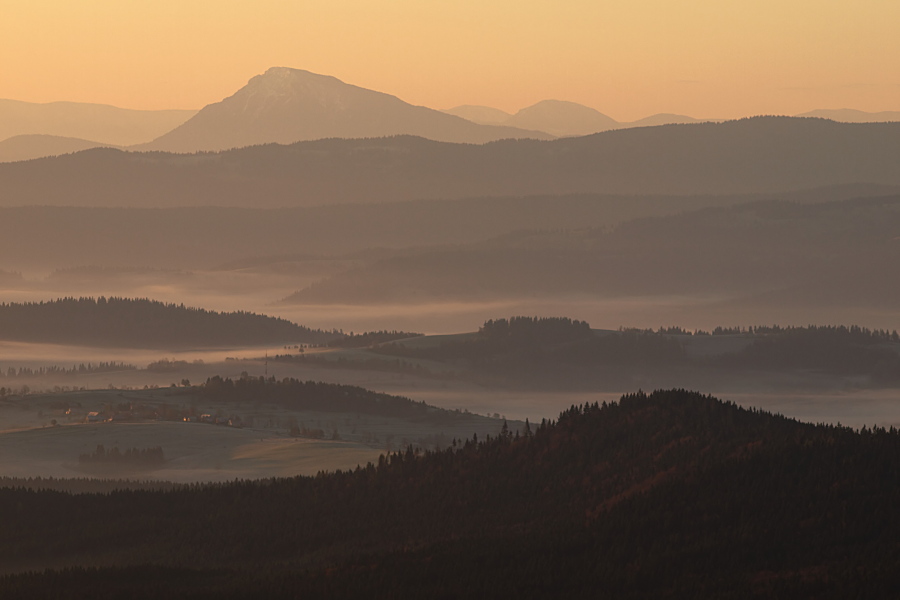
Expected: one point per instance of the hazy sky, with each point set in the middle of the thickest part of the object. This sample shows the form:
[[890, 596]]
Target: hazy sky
[[628, 59]]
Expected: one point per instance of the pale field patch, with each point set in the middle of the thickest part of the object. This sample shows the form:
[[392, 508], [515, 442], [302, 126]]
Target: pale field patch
[[196, 452]]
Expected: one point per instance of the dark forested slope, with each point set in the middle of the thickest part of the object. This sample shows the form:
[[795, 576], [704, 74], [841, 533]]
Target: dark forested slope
[[142, 323], [667, 495]]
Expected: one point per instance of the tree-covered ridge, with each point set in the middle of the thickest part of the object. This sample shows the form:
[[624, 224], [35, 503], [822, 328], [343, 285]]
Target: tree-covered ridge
[[55, 370], [371, 338], [847, 350], [543, 352], [560, 351], [535, 329], [667, 495], [533, 338], [312, 395], [131, 457], [144, 323], [853, 333], [82, 485]]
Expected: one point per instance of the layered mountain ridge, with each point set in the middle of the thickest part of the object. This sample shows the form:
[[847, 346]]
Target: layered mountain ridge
[[757, 155], [563, 118], [104, 124]]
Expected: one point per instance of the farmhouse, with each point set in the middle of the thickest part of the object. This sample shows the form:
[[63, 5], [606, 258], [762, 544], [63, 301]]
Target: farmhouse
[[95, 417]]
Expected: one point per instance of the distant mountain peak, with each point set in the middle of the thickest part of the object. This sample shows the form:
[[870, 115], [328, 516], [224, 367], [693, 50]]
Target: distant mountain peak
[[286, 86], [562, 118], [285, 105], [287, 81], [100, 122]]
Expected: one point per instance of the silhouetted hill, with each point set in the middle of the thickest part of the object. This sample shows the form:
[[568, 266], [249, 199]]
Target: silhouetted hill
[[846, 248], [27, 147], [561, 118], [667, 495], [106, 124], [289, 105], [759, 155], [141, 323]]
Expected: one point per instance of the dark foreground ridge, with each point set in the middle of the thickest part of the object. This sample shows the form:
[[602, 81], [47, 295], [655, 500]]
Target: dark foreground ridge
[[667, 495]]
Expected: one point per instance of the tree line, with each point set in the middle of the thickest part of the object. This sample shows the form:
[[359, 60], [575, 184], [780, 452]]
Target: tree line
[[144, 323], [561, 352]]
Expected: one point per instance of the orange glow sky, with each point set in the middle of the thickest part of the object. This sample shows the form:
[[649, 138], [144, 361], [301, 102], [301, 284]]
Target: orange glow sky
[[628, 59]]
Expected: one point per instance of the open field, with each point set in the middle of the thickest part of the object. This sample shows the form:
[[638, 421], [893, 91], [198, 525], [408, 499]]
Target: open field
[[32, 446], [194, 452]]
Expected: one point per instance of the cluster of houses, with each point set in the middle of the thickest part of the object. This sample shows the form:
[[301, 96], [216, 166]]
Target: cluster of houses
[[207, 418], [122, 416], [149, 415]]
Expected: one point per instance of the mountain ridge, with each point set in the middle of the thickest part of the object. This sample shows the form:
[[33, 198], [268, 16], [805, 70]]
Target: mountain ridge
[[107, 124], [39, 145], [763, 247], [755, 155], [849, 115], [563, 118]]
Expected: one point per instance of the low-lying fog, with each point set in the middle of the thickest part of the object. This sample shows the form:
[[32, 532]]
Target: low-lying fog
[[261, 292], [849, 407]]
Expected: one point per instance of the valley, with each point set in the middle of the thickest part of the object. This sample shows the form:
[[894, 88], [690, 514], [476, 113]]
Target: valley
[[313, 339]]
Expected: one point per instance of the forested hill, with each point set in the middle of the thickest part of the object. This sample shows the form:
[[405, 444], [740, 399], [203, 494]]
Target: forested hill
[[667, 495], [142, 323], [758, 155], [559, 353]]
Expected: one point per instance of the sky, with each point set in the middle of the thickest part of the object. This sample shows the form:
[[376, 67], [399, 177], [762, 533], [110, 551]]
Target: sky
[[628, 59]]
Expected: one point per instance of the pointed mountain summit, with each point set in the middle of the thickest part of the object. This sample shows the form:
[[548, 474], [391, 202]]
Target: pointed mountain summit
[[562, 119], [289, 105]]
